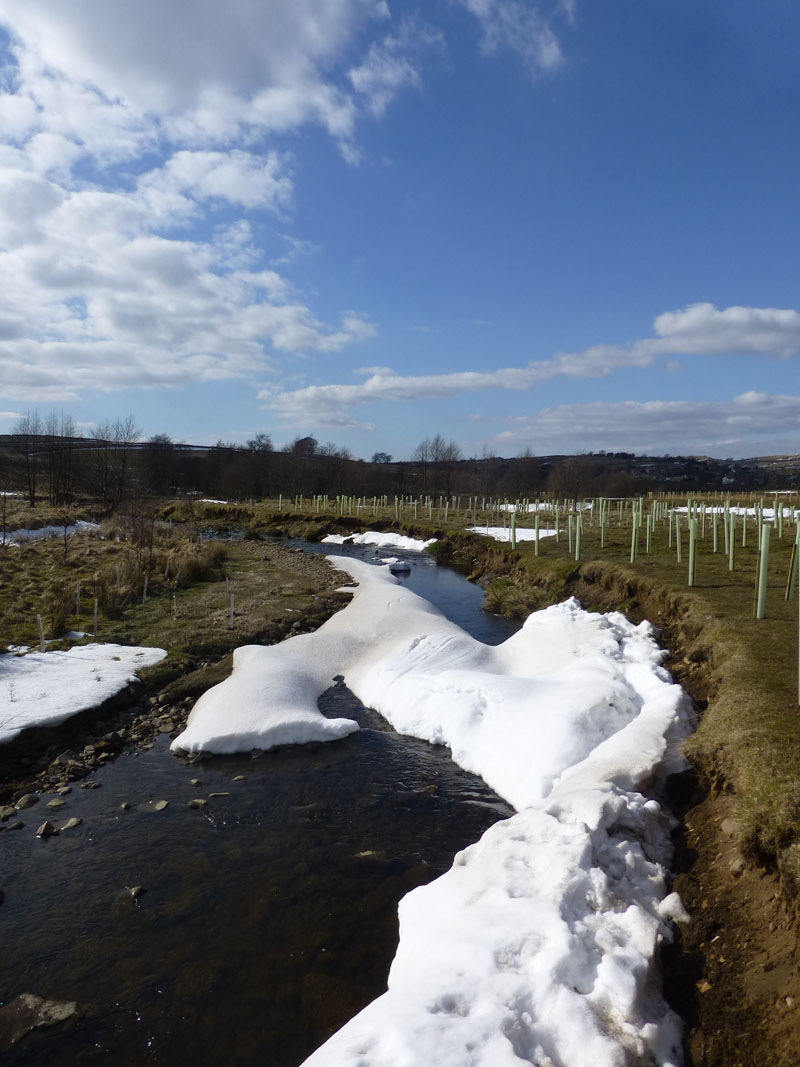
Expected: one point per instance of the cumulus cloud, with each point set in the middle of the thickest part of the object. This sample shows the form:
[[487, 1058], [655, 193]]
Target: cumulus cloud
[[699, 329], [126, 133], [753, 422]]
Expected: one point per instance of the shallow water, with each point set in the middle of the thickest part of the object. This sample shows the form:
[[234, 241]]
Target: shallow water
[[268, 917]]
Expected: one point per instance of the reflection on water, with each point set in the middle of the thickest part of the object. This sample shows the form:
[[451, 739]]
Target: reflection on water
[[269, 915]]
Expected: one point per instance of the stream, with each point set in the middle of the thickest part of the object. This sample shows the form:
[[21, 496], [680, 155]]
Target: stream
[[268, 917]]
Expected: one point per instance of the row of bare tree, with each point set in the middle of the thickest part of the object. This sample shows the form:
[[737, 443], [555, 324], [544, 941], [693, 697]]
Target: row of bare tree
[[47, 458]]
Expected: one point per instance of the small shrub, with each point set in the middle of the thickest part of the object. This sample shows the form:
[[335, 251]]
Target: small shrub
[[59, 600]]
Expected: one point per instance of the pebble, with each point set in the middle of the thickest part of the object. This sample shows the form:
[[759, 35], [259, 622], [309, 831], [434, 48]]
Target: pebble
[[238, 778], [27, 801], [56, 802], [47, 830], [195, 781], [70, 824], [135, 891], [125, 805], [219, 794], [198, 802], [6, 811], [90, 785]]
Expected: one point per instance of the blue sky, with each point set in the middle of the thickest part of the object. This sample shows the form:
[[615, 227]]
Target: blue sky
[[563, 227]]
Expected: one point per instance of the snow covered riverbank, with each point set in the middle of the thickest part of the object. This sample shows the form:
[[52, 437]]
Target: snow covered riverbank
[[540, 945], [45, 688]]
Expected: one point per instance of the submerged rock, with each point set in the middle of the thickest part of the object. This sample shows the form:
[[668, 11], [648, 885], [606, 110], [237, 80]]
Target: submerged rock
[[31, 1012]]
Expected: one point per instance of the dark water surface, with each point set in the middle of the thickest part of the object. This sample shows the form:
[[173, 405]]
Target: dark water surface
[[269, 916]]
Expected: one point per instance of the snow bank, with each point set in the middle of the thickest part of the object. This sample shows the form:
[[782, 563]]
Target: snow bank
[[81, 526], [539, 945], [384, 540], [45, 688], [500, 533]]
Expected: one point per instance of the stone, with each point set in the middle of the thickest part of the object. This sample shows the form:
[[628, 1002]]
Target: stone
[[27, 801], [6, 811], [737, 867], [198, 802], [195, 781], [219, 794], [238, 778], [62, 790], [70, 824], [152, 805], [29, 1012], [135, 891], [125, 805], [56, 802], [47, 830], [90, 785], [76, 770]]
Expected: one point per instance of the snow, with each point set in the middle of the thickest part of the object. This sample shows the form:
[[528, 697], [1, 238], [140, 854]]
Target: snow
[[735, 509], [45, 688], [500, 533], [540, 944], [81, 526], [547, 505], [384, 540]]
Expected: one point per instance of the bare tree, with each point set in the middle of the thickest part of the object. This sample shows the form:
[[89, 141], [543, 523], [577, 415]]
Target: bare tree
[[60, 433], [444, 455], [28, 430], [125, 434], [422, 457], [262, 442]]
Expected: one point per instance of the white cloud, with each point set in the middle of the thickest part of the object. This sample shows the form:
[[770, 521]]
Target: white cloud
[[703, 329], [519, 26], [165, 58], [97, 289], [392, 65], [699, 329], [242, 178], [753, 423]]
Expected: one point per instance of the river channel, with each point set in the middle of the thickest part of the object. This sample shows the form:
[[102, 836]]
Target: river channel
[[267, 917]]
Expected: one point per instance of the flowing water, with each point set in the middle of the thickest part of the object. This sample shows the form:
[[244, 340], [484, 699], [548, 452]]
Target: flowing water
[[268, 917]]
